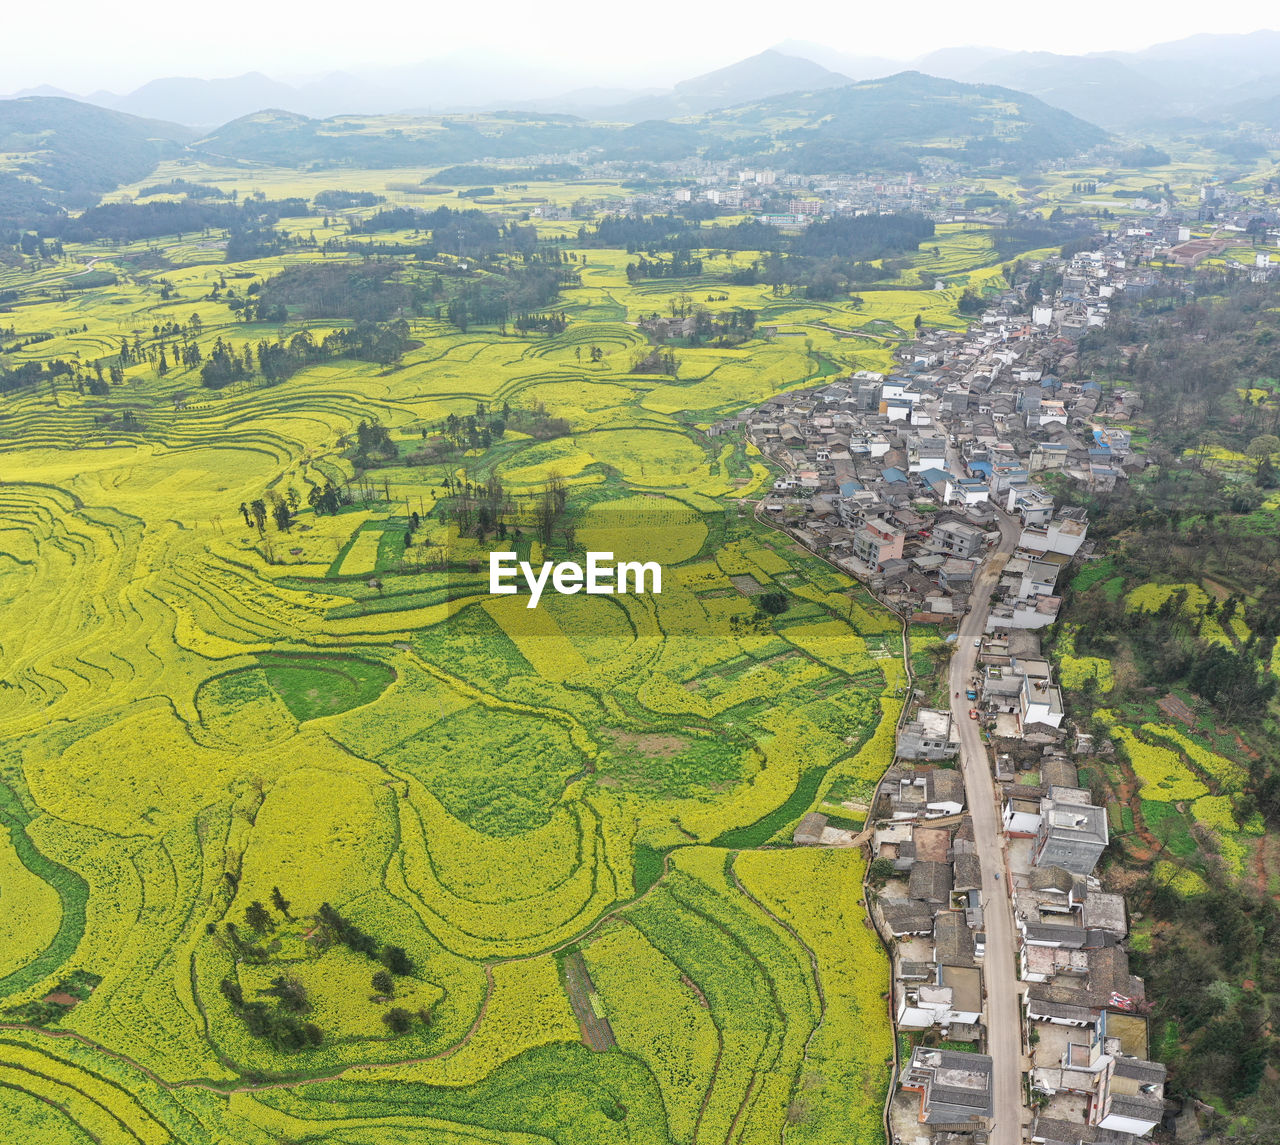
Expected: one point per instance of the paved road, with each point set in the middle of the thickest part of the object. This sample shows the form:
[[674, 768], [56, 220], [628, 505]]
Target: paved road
[[1004, 1034]]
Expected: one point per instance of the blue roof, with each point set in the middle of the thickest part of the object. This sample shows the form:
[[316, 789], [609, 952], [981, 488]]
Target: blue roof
[[849, 488], [983, 467], [892, 474], [933, 475], [1092, 386]]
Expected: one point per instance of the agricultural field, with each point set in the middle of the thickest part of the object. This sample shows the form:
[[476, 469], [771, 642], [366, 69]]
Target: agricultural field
[[316, 839]]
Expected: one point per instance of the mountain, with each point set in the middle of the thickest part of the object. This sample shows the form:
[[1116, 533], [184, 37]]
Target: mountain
[[43, 89], [1197, 76], [286, 138], [203, 102], [845, 63], [906, 116], [206, 103], [887, 123], [1100, 89], [1209, 59], [63, 153], [757, 77], [1203, 72], [1263, 110]]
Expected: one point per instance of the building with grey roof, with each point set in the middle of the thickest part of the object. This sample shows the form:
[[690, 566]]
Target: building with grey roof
[[1130, 1096], [931, 883], [1059, 773], [903, 917], [966, 873], [1072, 833], [953, 940], [954, 1087], [1105, 912], [944, 791], [929, 736], [1055, 1131], [808, 832]]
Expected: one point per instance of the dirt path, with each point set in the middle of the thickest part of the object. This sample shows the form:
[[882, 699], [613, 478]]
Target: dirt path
[[597, 1034]]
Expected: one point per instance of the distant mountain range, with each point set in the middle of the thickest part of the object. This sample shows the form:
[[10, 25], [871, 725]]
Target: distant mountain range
[[1208, 77], [877, 124], [1203, 77], [783, 109], [63, 153]]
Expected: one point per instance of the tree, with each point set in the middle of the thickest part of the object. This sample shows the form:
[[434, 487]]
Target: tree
[[882, 870], [259, 509], [396, 960], [292, 994], [1263, 448], [283, 515], [383, 983], [398, 1019], [257, 918], [550, 505], [280, 902]]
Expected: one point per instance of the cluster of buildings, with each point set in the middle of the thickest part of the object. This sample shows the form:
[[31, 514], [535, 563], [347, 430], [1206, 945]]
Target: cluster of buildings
[[902, 479], [1088, 1062], [907, 481], [1085, 1056]]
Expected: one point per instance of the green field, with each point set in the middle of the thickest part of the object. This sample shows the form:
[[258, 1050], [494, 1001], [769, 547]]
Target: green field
[[210, 731]]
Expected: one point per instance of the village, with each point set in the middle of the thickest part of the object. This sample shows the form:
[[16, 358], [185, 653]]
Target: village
[[1149, 223], [920, 484]]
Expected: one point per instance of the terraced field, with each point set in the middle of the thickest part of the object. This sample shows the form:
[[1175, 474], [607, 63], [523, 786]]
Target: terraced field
[[216, 740]]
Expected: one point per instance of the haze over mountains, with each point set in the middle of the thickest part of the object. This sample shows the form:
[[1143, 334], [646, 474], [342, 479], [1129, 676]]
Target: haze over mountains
[[61, 153], [1206, 77]]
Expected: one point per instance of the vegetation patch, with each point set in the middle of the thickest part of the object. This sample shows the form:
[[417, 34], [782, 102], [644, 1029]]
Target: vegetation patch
[[316, 686]]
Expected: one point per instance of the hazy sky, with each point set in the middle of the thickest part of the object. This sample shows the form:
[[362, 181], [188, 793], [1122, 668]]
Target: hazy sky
[[81, 45]]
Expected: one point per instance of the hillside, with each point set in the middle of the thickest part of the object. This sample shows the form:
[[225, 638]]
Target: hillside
[[393, 140], [74, 152], [887, 121], [1101, 90], [1167, 643], [915, 113]]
